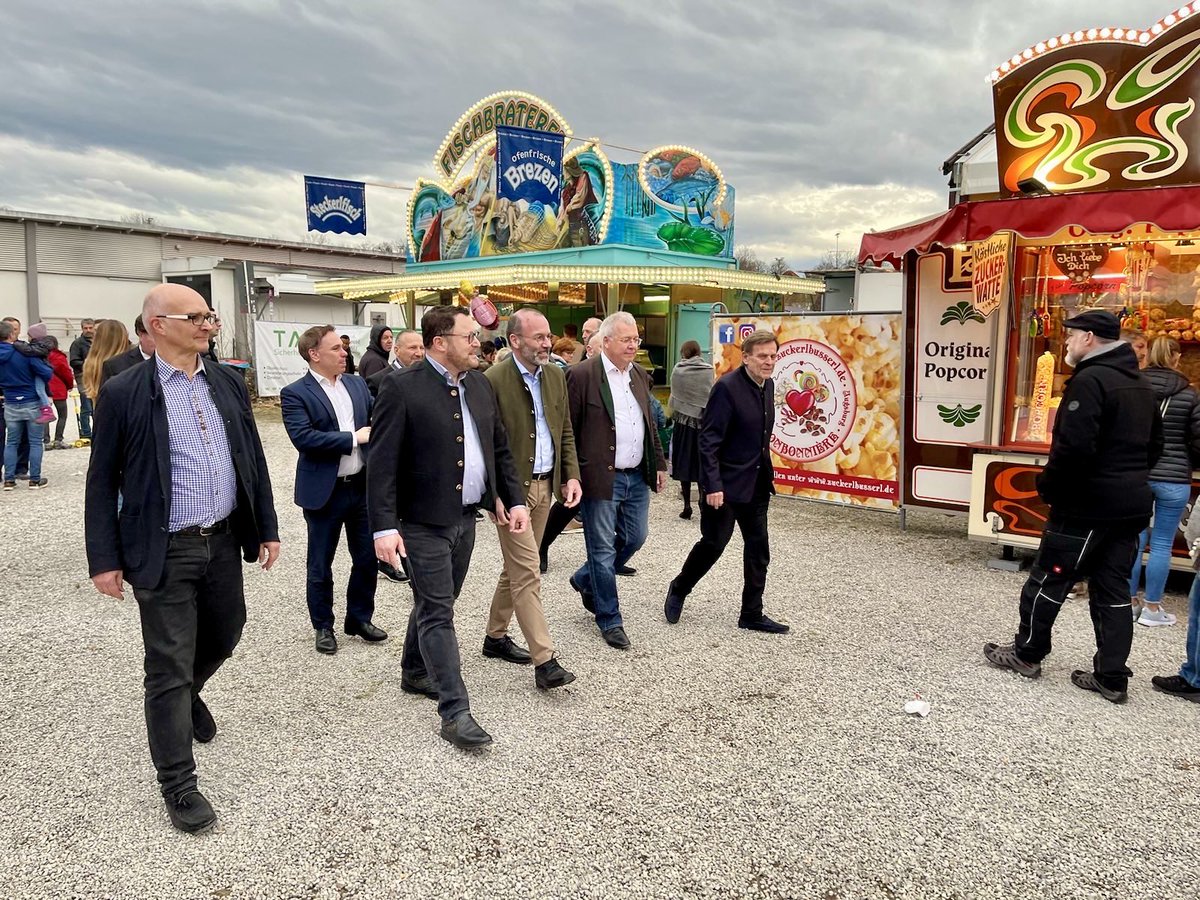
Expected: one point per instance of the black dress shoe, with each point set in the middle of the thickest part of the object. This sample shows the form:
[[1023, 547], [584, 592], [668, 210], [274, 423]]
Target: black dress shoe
[[674, 605], [387, 570], [625, 570], [687, 513], [551, 675], [364, 630], [464, 732], [765, 624], [543, 562], [326, 642], [505, 648], [588, 602], [419, 684], [204, 727], [616, 637], [189, 811], [423, 685]]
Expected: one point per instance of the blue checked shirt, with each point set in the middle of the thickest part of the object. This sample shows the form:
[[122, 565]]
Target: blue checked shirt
[[543, 454], [203, 483]]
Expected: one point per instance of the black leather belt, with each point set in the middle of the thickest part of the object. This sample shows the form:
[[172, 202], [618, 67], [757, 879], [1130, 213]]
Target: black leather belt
[[542, 476], [469, 509], [203, 530], [350, 479], [629, 471]]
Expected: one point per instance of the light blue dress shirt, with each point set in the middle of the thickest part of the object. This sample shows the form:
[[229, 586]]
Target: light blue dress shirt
[[543, 454]]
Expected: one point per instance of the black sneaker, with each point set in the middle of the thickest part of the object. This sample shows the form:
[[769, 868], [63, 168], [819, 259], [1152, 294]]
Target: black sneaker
[[1089, 682], [189, 811], [1175, 684], [387, 570], [204, 726], [1005, 656]]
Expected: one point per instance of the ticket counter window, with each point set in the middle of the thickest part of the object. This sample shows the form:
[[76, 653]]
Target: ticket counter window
[[1153, 287]]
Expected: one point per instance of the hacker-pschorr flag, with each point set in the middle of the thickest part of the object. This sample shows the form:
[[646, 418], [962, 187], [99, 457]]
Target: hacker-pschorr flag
[[529, 168], [335, 205]]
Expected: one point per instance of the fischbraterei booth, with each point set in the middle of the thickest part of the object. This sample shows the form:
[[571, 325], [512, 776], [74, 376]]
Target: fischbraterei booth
[[1098, 206], [527, 213]]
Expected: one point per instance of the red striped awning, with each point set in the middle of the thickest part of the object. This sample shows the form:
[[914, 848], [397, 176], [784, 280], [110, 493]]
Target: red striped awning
[[1167, 209]]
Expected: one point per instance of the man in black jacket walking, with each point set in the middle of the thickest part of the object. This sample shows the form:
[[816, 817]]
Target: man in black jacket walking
[[1107, 437], [178, 444], [736, 481]]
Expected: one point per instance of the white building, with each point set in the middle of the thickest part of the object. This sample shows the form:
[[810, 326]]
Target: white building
[[60, 270]]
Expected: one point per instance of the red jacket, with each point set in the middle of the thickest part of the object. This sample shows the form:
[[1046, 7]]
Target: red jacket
[[64, 378]]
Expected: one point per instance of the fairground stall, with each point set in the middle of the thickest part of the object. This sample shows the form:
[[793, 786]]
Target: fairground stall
[[526, 213], [1097, 205]]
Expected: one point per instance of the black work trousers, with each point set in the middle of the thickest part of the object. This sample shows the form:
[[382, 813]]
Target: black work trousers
[[716, 528], [438, 558], [346, 508], [191, 624], [1071, 551]]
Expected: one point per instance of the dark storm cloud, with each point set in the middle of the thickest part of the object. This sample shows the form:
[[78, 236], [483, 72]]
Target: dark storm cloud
[[791, 99]]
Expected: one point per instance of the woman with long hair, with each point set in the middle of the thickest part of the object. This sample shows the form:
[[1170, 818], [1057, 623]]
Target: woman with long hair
[[111, 339], [691, 382], [1170, 479]]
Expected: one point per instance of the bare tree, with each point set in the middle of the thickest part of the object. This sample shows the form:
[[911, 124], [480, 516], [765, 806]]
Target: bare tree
[[779, 267], [835, 259], [748, 260]]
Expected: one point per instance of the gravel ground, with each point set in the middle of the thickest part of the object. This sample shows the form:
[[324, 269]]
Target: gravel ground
[[708, 762]]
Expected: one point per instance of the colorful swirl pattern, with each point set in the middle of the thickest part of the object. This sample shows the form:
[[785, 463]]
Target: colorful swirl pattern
[[1059, 153]]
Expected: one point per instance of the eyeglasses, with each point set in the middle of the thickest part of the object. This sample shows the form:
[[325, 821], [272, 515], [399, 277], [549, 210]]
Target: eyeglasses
[[472, 336], [629, 342], [197, 319]]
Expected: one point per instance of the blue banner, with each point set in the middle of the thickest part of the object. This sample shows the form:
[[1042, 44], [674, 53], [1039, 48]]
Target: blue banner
[[335, 205], [529, 170]]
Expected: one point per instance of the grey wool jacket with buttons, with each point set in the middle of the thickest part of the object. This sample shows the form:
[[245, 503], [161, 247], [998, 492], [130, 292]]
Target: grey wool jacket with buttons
[[517, 413]]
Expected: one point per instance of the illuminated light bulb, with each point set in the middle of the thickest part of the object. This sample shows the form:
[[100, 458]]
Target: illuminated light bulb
[[1078, 36], [1184, 11], [1066, 38], [1144, 37], [1119, 33], [1041, 47], [1170, 19], [1091, 34], [1027, 54], [1156, 28], [1105, 33], [1016, 60]]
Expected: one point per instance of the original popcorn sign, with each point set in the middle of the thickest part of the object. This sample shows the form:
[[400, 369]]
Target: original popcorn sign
[[837, 403]]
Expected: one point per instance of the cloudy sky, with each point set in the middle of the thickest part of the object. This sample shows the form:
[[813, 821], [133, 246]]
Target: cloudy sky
[[827, 117]]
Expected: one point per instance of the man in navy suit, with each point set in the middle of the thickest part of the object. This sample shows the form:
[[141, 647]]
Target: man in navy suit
[[736, 481], [326, 414]]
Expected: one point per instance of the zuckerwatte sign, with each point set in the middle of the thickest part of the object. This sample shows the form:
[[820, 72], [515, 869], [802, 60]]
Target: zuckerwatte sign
[[1101, 109]]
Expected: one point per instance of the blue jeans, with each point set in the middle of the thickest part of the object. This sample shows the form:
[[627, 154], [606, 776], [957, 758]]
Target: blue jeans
[[1190, 670], [85, 415], [613, 530], [20, 422], [1169, 502]]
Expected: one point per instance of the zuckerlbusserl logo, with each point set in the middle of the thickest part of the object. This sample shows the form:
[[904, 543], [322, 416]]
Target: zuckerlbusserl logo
[[339, 207], [816, 401]]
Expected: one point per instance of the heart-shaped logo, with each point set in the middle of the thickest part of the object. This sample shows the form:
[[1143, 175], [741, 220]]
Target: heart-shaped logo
[[1080, 263]]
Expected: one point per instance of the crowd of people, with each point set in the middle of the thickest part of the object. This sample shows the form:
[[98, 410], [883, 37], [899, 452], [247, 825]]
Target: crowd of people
[[430, 436]]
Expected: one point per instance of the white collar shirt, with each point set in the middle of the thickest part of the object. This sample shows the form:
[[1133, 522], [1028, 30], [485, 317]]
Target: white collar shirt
[[631, 427], [474, 477], [343, 407]]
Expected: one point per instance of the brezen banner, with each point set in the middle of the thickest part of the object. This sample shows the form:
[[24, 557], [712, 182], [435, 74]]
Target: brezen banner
[[335, 205], [528, 173], [837, 402], [277, 362]]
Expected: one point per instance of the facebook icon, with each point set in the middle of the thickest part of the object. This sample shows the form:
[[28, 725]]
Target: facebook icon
[[725, 334]]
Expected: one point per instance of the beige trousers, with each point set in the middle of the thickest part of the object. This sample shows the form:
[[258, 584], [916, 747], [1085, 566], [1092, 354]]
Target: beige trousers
[[520, 587]]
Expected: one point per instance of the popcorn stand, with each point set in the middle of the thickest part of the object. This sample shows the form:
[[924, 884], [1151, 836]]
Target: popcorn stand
[[1098, 207]]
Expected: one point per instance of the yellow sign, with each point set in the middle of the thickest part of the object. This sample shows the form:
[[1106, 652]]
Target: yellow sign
[[476, 126]]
